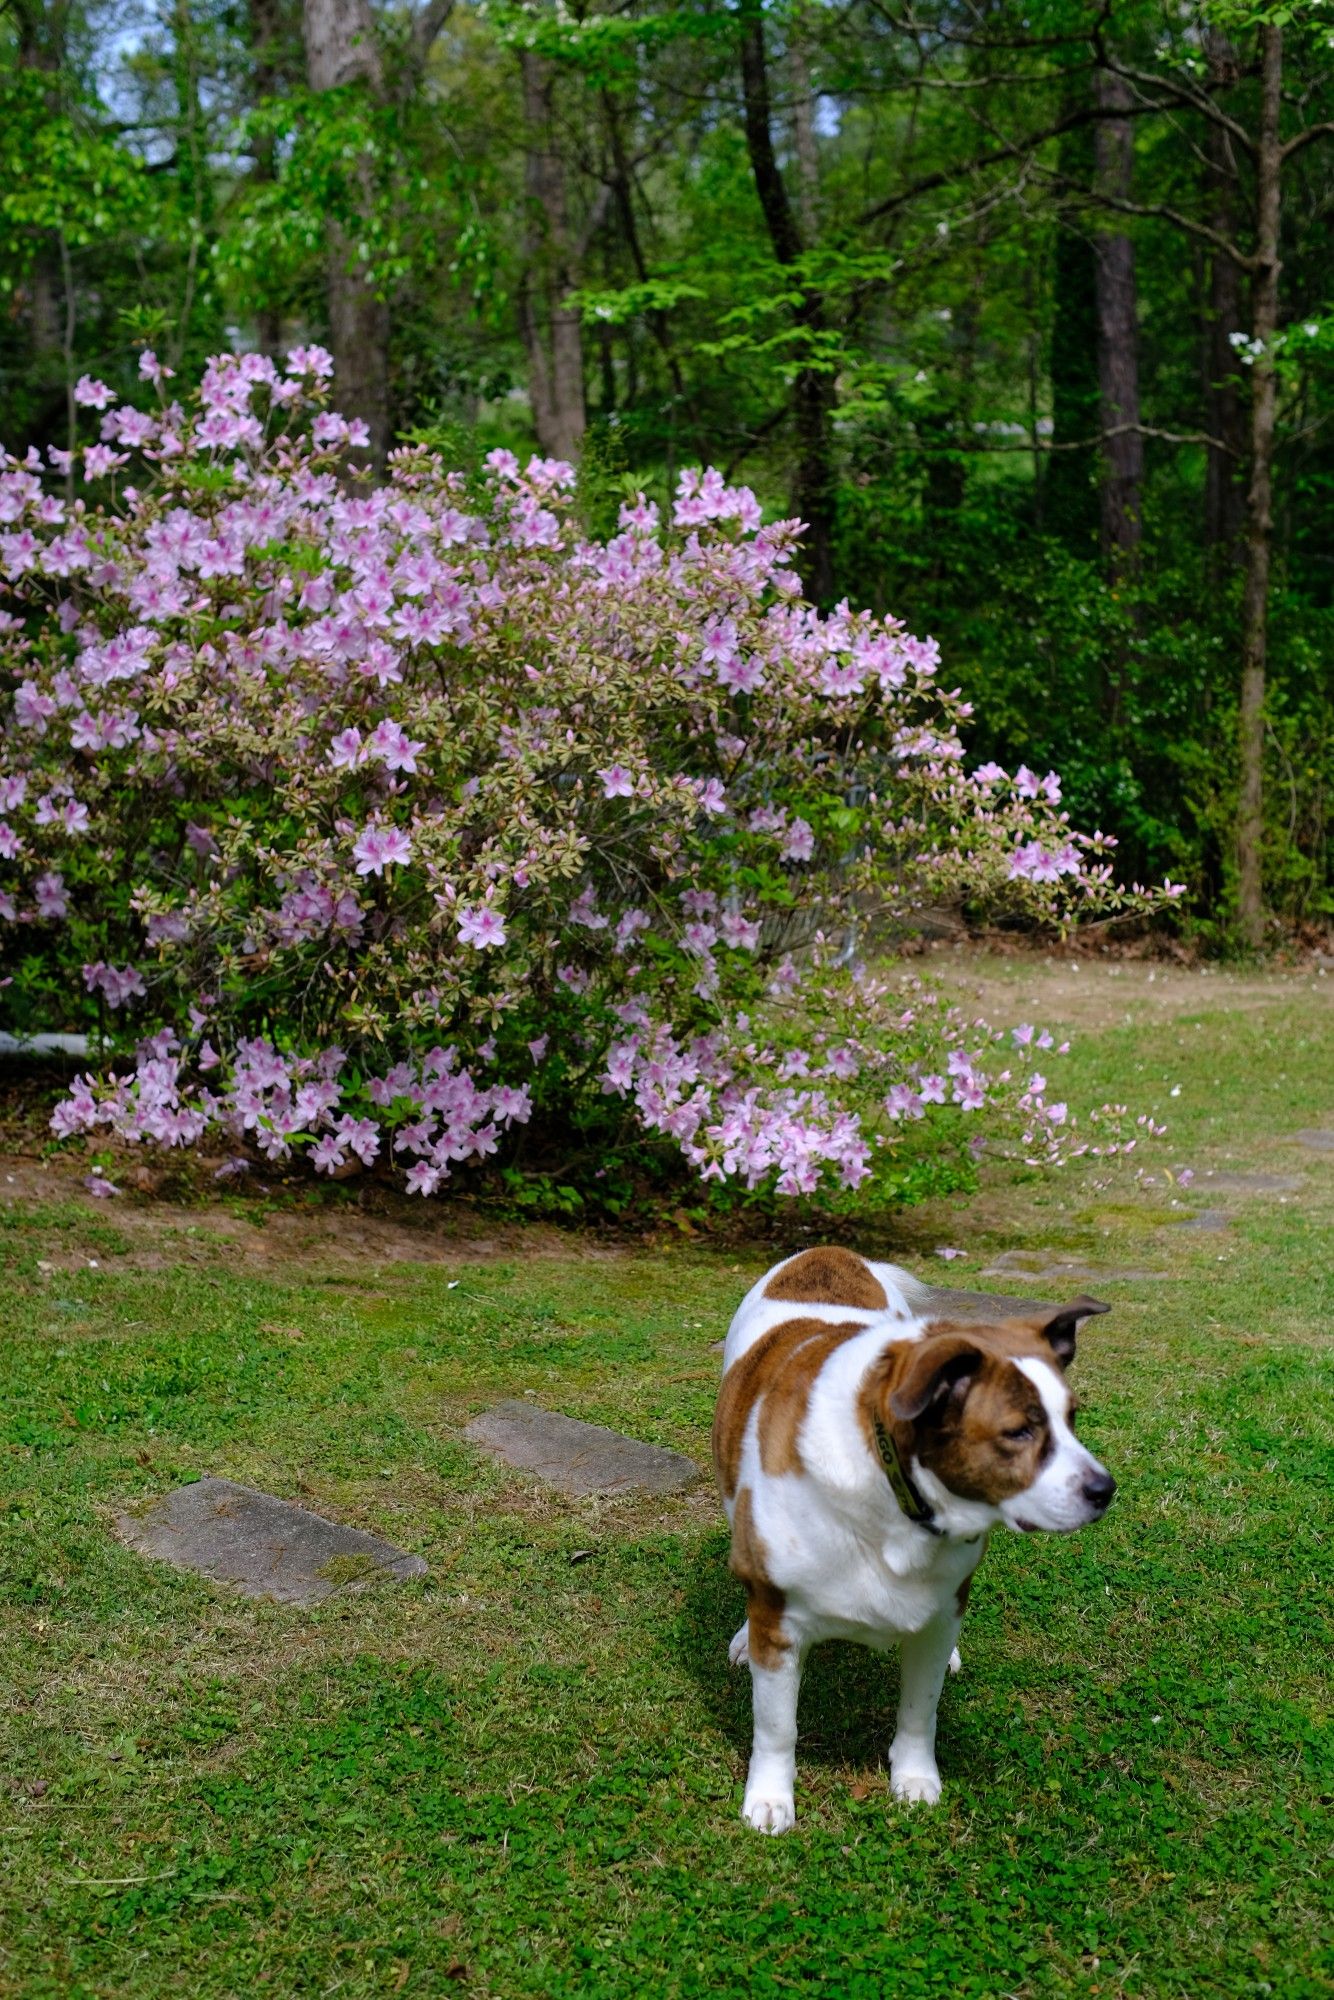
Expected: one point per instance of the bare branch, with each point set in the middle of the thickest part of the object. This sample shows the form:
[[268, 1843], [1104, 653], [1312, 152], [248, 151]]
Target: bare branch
[[1031, 444], [1197, 100], [427, 25], [1010, 149], [597, 215], [1303, 139], [939, 32], [1158, 211]]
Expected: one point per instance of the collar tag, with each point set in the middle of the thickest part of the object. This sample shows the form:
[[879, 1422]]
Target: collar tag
[[907, 1495]]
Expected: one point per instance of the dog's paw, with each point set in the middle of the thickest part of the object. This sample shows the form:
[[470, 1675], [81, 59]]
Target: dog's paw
[[915, 1784], [738, 1653], [956, 1661], [776, 1814]]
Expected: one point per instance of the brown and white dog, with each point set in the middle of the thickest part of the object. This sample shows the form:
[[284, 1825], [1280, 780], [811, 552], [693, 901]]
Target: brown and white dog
[[871, 1431]]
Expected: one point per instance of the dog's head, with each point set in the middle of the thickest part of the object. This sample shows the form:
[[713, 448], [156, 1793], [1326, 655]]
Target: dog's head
[[986, 1411]]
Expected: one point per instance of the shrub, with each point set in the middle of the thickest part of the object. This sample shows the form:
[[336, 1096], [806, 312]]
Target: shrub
[[383, 816]]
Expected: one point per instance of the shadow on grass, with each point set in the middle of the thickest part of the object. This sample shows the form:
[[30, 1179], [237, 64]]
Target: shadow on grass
[[849, 1694]]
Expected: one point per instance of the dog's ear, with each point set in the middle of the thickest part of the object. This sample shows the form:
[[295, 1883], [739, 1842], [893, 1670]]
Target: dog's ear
[[939, 1372], [1059, 1325]]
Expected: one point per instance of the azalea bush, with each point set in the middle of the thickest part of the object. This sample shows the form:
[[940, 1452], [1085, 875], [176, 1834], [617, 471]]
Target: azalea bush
[[382, 821]]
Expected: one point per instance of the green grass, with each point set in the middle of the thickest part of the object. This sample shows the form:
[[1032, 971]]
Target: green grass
[[521, 1776]]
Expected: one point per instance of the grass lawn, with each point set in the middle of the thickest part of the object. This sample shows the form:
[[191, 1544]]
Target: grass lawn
[[522, 1775]]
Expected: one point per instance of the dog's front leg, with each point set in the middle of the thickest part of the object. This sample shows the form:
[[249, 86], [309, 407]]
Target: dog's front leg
[[774, 1687], [912, 1754]]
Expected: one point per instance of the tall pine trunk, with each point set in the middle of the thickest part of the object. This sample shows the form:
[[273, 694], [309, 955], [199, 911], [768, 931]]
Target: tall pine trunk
[[551, 330], [41, 47], [265, 65], [1121, 492], [1069, 497], [813, 486], [341, 48], [1259, 497], [1225, 419], [805, 151]]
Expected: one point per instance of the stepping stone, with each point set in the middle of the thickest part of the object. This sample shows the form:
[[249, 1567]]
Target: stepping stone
[[1208, 1218], [1049, 1267], [1318, 1141], [578, 1458], [265, 1546], [978, 1307], [1254, 1183]]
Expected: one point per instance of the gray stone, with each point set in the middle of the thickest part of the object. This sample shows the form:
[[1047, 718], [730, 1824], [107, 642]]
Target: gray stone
[[1318, 1141], [1052, 1267], [1253, 1183], [264, 1546], [977, 1307], [43, 1045], [1208, 1218], [578, 1458]]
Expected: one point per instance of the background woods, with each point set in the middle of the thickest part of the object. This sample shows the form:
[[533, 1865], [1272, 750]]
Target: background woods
[[1025, 313]]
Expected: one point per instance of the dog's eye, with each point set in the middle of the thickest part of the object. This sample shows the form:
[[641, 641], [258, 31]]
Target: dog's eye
[[1020, 1434]]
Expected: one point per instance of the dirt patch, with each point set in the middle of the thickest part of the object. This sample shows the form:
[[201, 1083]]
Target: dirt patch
[[1061, 990], [263, 1235]]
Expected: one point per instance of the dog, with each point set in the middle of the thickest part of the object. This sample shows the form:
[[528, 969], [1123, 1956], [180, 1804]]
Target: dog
[[870, 1432]]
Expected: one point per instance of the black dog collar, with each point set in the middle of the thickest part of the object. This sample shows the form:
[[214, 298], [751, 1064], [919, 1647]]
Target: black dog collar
[[918, 1510]]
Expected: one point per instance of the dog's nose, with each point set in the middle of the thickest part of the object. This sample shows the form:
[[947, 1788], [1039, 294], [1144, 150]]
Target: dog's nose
[[1098, 1489]]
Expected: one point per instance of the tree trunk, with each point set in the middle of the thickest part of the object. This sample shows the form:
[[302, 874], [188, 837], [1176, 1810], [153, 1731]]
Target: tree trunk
[[1224, 496], [804, 149], [623, 192], [1069, 499], [341, 48], [1259, 498], [41, 47], [266, 65], [194, 178], [1118, 343], [813, 493], [551, 330]]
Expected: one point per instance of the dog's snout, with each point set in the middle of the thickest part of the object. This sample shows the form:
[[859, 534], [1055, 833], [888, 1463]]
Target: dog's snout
[[1098, 1488]]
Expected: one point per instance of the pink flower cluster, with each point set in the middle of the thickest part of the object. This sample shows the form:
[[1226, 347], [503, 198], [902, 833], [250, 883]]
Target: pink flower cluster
[[277, 1102], [316, 767]]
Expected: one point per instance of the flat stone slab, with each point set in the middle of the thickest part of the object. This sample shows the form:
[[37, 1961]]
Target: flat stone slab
[[264, 1546], [578, 1458], [1050, 1267], [980, 1307], [1318, 1141], [1208, 1218], [1224, 1183]]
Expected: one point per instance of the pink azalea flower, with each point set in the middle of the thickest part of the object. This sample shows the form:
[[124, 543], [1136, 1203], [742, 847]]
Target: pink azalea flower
[[379, 847], [93, 395], [481, 926], [798, 842], [316, 361]]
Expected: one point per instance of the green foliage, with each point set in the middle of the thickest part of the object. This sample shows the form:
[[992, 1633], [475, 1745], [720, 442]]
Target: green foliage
[[945, 293]]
